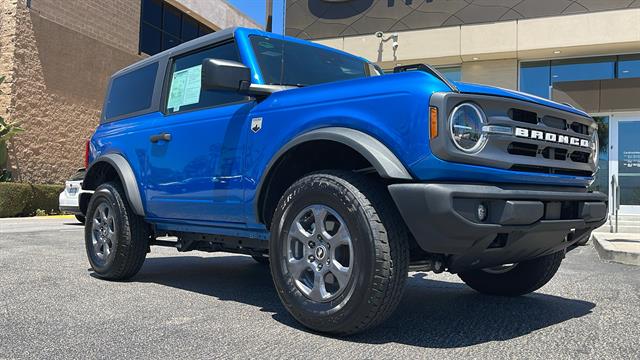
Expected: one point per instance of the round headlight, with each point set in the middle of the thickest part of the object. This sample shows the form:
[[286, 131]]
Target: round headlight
[[465, 122]]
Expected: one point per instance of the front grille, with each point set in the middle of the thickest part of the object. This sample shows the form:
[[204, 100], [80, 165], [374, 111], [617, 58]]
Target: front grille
[[554, 153], [554, 122], [580, 156], [524, 149], [523, 116], [550, 170], [542, 138], [544, 156], [580, 128]]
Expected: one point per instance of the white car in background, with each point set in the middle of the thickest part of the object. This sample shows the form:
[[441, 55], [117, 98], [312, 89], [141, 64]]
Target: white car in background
[[68, 201]]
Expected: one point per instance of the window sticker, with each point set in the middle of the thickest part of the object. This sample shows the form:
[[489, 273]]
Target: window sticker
[[185, 87]]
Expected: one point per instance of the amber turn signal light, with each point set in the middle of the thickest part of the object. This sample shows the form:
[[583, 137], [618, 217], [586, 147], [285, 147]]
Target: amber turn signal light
[[433, 122]]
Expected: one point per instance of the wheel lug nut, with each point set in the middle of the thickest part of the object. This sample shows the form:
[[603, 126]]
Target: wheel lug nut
[[319, 237], [311, 258], [312, 244], [319, 266]]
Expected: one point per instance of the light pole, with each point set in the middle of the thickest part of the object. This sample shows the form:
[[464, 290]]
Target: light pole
[[269, 23]]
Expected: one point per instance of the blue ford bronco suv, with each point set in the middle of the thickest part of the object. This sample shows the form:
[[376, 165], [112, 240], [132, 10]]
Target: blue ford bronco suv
[[338, 176]]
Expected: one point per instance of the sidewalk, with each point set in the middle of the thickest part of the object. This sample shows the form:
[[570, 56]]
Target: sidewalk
[[621, 248]]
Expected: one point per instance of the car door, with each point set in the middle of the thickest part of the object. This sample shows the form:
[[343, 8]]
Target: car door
[[194, 170]]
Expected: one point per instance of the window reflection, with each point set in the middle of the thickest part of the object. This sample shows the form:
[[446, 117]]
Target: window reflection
[[452, 73], [537, 76], [163, 26], [629, 66], [583, 69]]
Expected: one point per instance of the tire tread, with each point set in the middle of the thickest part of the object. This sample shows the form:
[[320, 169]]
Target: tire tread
[[134, 237], [390, 242]]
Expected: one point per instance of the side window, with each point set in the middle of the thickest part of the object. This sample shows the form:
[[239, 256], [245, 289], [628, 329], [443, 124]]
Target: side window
[[185, 90], [131, 92]]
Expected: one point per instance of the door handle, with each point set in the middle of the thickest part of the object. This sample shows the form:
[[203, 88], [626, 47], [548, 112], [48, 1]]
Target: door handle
[[163, 136]]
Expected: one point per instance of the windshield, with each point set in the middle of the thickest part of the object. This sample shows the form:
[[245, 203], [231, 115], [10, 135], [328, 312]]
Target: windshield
[[305, 65]]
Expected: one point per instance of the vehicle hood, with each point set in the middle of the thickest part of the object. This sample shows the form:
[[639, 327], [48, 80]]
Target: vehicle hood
[[468, 88]]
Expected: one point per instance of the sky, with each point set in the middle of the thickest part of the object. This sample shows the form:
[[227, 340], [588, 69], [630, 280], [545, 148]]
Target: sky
[[255, 9]]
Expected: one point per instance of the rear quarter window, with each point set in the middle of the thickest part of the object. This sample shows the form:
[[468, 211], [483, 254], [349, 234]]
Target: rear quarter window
[[131, 92]]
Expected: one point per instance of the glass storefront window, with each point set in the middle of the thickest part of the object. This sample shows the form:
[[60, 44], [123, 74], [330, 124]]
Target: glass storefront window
[[601, 182], [163, 26], [535, 78], [629, 66], [583, 69], [629, 162], [452, 73]]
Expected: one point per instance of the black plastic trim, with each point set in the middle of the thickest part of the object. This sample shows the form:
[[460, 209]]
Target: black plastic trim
[[435, 215], [428, 69], [127, 177], [385, 162]]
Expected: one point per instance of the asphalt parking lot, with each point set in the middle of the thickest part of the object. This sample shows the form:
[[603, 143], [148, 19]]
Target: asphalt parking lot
[[199, 305]]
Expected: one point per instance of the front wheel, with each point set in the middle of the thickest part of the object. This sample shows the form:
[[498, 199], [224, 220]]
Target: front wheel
[[514, 279], [339, 252]]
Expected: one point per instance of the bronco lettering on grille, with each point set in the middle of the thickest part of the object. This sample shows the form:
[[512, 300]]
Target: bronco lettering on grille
[[552, 137]]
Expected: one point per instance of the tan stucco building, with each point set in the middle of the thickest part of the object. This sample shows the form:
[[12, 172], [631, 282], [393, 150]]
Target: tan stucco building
[[57, 57], [484, 43]]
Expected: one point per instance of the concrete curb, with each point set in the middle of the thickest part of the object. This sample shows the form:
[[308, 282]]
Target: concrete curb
[[609, 252]]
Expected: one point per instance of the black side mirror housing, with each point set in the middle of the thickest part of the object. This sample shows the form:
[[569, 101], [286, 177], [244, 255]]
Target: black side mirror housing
[[218, 74]]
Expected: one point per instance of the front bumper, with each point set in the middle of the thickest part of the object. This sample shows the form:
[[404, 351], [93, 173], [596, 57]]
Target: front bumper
[[522, 222]]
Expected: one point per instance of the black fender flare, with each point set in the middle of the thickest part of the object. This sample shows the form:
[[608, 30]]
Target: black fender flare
[[127, 178], [384, 161]]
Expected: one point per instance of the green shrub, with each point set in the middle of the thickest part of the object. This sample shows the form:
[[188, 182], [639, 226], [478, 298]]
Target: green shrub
[[14, 198], [45, 197], [18, 199]]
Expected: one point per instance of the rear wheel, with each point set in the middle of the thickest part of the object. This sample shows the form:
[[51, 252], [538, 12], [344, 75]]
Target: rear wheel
[[116, 239], [514, 279], [339, 252]]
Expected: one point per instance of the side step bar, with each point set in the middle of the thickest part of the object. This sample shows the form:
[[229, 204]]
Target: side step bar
[[214, 243]]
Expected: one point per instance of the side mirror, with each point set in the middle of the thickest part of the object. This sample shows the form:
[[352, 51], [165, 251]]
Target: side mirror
[[218, 74]]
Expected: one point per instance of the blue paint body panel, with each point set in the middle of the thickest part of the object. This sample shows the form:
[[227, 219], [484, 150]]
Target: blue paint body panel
[[518, 95], [205, 179]]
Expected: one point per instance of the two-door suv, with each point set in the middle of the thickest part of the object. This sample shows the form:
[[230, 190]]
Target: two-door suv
[[342, 178]]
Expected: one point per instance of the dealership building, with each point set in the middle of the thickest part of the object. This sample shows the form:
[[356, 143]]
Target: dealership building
[[583, 52], [57, 57]]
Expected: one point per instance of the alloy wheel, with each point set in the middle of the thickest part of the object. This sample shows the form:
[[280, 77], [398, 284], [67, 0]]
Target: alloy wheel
[[103, 232], [319, 253]]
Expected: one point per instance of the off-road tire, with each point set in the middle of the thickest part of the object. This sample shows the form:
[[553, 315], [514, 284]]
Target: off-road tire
[[526, 277], [380, 247], [131, 235]]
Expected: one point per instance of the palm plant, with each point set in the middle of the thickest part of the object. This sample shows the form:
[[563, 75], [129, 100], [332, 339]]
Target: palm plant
[[7, 131]]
